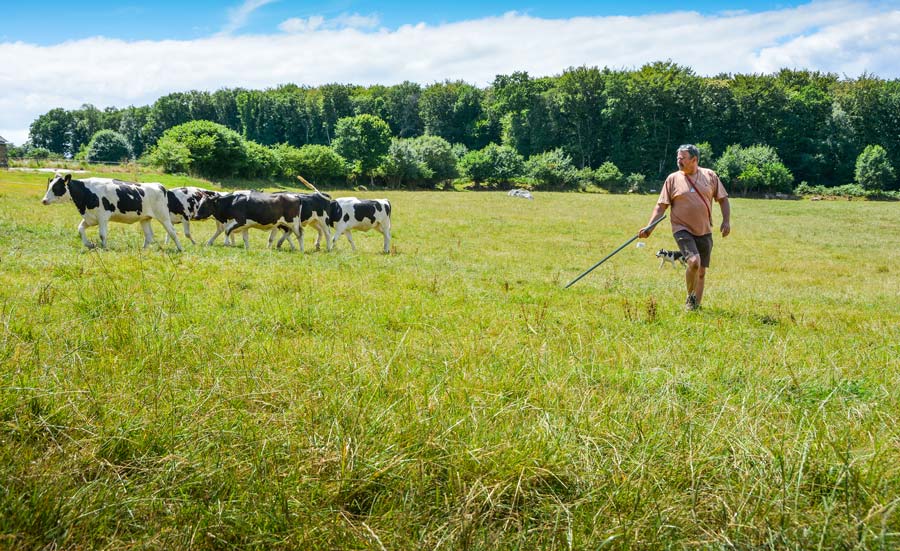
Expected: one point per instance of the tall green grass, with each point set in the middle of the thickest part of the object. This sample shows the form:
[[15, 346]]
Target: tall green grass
[[452, 395]]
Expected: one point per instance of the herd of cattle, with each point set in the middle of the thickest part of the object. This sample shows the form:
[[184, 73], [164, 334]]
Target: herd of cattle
[[101, 200]]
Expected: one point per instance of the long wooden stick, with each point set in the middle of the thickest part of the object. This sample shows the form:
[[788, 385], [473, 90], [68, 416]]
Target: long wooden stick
[[610, 255]]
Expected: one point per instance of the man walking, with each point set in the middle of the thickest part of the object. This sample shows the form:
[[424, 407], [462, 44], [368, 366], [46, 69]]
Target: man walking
[[691, 191]]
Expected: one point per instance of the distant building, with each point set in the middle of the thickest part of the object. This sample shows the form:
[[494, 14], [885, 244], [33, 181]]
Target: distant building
[[4, 159]]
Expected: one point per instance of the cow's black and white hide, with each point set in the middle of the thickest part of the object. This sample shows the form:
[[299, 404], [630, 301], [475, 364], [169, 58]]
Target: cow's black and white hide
[[220, 226], [183, 205], [104, 200], [349, 213], [313, 213], [265, 211]]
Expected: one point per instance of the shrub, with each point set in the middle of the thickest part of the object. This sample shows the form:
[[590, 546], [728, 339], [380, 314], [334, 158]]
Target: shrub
[[753, 169], [316, 163], [609, 177], [402, 163], [215, 150], [438, 156], [873, 169], [261, 161], [363, 140], [171, 156], [108, 146], [553, 169], [495, 163]]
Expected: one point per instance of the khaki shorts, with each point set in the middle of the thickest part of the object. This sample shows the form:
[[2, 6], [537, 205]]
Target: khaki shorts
[[691, 245]]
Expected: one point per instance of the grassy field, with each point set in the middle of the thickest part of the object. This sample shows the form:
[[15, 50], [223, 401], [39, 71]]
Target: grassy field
[[452, 395]]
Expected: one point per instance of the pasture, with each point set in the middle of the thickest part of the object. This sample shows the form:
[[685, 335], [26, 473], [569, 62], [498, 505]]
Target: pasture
[[451, 395]]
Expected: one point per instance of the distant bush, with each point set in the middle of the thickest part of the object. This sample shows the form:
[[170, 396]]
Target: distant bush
[[873, 169], [438, 156], [316, 163], [403, 164], [552, 168], [171, 156], [108, 146], [753, 169], [609, 177], [214, 149], [28, 151], [261, 161], [494, 164]]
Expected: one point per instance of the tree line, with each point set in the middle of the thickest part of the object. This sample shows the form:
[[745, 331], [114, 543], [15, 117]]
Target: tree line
[[817, 125]]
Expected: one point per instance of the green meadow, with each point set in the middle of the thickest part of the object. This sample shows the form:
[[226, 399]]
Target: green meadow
[[451, 394]]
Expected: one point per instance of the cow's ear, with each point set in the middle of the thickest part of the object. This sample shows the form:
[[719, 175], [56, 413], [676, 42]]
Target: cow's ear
[[68, 178]]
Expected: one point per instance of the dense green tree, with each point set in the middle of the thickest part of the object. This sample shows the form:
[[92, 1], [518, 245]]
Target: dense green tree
[[108, 146], [402, 164], [452, 110], [86, 121], [756, 168], [874, 171], [494, 163], [335, 105], [315, 162], [438, 156], [215, 150], [362, 140], [131, 121], [552, 168], [51, 131]]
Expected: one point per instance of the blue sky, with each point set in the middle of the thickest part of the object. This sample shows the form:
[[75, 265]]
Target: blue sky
[[66, 54], [54, 21]]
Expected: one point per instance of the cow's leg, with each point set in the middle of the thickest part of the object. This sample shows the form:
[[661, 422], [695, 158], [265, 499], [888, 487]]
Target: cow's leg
[[148, 232], [187, 231], [339, 229], [386, 232], [220, 227], [238, 226], [350, 239], [323, 230], [103, 223], [287, 236], [82, 231], [298, 231], [272, 236], [170, 229]]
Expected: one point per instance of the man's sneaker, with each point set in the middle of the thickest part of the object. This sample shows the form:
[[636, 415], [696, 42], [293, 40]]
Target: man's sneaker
[[691, 303]]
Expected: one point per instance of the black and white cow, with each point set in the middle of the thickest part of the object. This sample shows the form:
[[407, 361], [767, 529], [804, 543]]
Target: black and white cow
[[266, 211], [101, 200], [349, 213], [313, 213], [183, 204]]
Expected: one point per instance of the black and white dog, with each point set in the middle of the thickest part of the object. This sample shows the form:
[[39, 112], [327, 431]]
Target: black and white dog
[[670, 256]]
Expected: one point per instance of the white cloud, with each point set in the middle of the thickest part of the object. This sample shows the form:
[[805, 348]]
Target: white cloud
[[845, 37], [237, 17], [299, 25], [356, 21], [344, 21]]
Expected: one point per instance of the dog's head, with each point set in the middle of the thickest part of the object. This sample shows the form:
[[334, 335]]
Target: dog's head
[[661, 253]]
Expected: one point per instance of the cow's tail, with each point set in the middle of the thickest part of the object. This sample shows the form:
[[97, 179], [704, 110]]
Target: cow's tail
[[307, 184]]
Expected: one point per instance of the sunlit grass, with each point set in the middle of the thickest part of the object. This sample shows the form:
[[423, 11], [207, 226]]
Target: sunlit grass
[[452, 395]]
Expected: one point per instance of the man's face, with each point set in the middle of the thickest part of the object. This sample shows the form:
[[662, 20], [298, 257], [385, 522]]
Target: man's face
[[685, 161]]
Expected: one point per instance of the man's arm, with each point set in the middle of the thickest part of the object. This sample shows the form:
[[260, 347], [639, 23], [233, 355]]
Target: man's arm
[[644, 233], [726, 216]]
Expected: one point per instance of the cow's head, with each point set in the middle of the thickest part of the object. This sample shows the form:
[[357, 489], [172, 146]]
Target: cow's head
[[57, 189], [207, 206], [333, 213]]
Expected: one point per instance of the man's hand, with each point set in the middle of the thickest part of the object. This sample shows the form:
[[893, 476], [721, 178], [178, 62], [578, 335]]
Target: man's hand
[[725, 228], [645, 233]]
